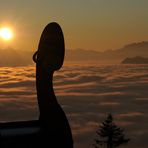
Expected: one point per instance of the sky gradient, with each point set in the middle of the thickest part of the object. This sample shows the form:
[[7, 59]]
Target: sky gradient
[[87, 24]]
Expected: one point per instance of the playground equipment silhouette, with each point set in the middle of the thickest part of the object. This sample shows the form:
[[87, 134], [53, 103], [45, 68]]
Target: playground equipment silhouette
[[52, 128]]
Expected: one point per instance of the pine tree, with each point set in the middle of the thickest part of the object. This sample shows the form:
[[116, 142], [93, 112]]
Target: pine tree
[[110, 134]]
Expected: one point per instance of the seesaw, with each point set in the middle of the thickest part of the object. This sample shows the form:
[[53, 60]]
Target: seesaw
[[52, 129]]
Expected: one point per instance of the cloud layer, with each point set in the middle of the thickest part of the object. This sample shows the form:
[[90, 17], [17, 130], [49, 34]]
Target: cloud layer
[[87, 93]]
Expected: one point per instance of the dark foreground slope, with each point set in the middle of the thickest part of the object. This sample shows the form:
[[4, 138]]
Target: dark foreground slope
[[28, 134]]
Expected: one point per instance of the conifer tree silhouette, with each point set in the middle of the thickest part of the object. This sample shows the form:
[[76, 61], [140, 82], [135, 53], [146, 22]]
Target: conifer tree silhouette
[[110, 134]]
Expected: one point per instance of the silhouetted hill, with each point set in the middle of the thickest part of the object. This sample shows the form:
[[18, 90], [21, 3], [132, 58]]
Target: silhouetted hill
[[81, 54], [12, 57], [135, 60], [130, 50]]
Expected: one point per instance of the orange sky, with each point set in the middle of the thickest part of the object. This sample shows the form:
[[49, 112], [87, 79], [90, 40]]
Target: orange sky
[[95, 24]]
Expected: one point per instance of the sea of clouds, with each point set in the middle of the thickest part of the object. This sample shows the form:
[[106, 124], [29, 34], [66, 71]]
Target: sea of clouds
[[87, 93]]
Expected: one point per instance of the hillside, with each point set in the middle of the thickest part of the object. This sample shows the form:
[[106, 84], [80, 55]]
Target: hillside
[[135, 60], [12, 57], [130, 50]]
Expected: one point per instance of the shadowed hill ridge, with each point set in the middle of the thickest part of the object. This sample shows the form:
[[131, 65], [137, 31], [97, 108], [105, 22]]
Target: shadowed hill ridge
[[22, 58]]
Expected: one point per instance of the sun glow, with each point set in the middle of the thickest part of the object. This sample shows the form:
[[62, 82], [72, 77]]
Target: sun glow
[[6, 33]]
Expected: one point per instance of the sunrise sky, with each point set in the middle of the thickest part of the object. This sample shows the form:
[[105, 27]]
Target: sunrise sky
[[90, 84], [87, 24]]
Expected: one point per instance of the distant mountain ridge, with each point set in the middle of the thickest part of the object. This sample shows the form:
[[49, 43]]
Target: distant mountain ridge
[[12, 57], [135, 60], [130, 50]]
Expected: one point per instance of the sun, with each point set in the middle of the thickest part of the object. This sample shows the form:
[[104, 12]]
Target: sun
[[6, 33]]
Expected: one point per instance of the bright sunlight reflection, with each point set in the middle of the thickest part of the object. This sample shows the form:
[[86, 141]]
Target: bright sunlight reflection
[[6, 33]]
